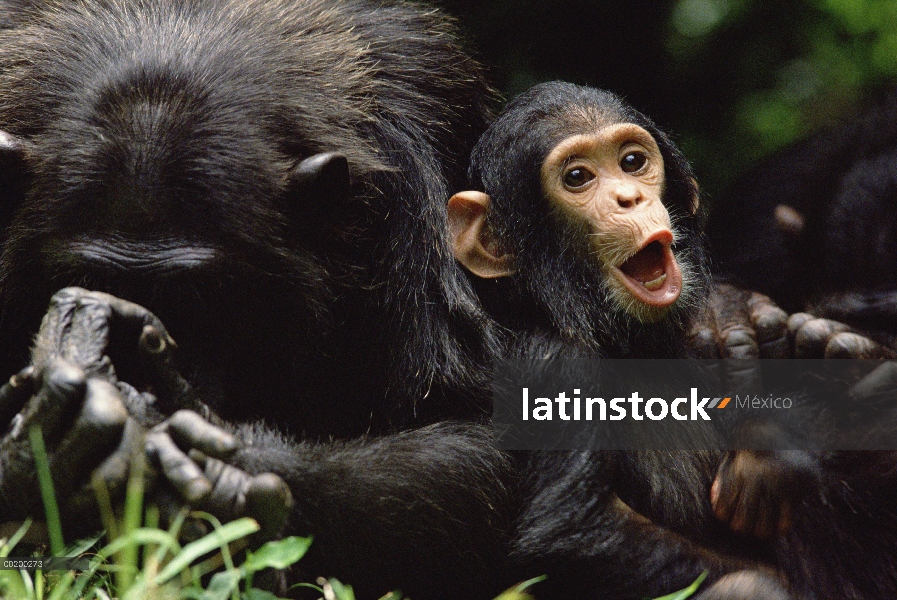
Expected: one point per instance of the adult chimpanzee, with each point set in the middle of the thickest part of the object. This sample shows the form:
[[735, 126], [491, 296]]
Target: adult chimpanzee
[[582, 234], [270, 179], [816, 223]]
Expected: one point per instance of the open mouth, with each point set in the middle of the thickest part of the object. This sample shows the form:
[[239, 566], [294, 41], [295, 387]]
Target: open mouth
[[652, 274]]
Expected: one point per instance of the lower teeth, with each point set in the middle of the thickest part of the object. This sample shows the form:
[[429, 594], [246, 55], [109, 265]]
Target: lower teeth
[[655, 284]]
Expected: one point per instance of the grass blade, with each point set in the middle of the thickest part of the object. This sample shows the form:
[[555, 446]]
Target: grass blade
[[16, 538], [48, 494], [228, 533], [683, 594], [128, 557]]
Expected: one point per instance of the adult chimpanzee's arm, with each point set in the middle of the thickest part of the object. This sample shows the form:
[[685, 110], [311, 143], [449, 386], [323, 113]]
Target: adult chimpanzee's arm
[[422, 505], [590, 542], [430, 504]]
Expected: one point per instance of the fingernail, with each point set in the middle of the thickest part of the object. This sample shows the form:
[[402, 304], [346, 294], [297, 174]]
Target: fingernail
[[152, 340]]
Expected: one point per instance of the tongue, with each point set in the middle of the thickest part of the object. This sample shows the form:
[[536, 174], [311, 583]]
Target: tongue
[[647, 264]]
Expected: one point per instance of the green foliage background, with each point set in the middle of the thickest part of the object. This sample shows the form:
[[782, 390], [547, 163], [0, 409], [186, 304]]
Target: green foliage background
[[732, 80]]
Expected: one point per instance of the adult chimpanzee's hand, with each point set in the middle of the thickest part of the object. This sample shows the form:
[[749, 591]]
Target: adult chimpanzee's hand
[[86, 429], [93, 422], [90, 421], [119, 342], [739, 323], [192, 455], [813, 337], [757, 493]]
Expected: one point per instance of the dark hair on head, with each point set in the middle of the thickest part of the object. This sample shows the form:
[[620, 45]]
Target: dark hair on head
[[538, 120], [557, 285]]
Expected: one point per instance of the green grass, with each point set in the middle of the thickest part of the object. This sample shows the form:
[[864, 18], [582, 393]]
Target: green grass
[[141, 560]]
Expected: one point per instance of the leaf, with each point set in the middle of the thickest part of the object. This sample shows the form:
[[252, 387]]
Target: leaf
[[12, 586], [276, 555], [82, 546], [228, 533], [520, 587], [16, 538], [62, 587], [514, 595], [683, 594], [340, 590], [518, 592], [222, 585], [48, 494], [257, 594]]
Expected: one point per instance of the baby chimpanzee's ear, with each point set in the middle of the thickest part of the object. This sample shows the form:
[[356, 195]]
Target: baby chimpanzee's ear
[[473, 241]]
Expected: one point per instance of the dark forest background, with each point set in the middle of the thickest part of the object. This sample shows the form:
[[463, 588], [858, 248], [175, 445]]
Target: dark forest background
[[732, 80]]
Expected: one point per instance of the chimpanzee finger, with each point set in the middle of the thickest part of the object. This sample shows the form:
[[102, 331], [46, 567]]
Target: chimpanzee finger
[[265, 497], [96, 432], [880, 383], [745, 585], [770, 324], [725, 490], [116, 467], [132, 319], [702, 341], [76, 328], [782, 505], [81, 326], [748, 511], [172, 390], [190, 430], [763, 511], [187, 479], [813, 337], [853, 345], [112, 474], [61, 389], [729, 306], [54, 325], [786, 518], [104, 324], [229, 486], [142, 406], [795, 322], [737, 340], [14, 394], [269, 501], [742, 495], [86, 339]]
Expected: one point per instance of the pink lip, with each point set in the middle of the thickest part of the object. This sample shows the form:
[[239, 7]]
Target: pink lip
[[670, 288]]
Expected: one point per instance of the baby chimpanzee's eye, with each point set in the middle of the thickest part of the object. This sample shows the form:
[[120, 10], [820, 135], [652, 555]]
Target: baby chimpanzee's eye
[[633, 162], [577, 177]]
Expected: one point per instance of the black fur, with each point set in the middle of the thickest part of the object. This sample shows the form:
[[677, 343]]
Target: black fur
[[353, 84], [559, 286], [555, 306], [573, 521], [160, 136]]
